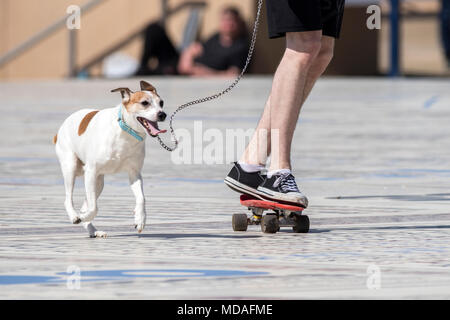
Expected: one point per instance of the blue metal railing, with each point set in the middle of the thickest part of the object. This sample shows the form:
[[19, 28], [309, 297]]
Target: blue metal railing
[[395, 39]]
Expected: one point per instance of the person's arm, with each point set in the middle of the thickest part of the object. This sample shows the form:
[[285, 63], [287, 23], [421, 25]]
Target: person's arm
[[236, 62], [186, 63], [188, 66]]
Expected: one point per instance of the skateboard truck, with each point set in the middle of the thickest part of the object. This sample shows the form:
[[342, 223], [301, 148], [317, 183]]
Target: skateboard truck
[[282, 215]]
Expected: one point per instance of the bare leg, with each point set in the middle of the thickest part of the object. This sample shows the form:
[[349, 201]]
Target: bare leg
[[288, 89], [255, 152], [320, 65], [287, 93], [258, 149]]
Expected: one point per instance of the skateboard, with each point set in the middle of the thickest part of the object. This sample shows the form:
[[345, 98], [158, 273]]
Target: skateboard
[[282, 215]]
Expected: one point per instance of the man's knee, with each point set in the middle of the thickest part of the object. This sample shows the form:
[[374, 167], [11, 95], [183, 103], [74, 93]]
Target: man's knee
[[304, 42], [325, 55]]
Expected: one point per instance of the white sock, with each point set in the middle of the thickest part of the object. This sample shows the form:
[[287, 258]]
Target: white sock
[[250, 167], [271, 173]]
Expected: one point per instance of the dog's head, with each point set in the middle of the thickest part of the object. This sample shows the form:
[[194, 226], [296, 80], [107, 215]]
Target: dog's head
[[145, 106]]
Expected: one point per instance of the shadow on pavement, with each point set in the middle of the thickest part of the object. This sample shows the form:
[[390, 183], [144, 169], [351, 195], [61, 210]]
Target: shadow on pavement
[[395, 227], [404, 197], [189, 235]]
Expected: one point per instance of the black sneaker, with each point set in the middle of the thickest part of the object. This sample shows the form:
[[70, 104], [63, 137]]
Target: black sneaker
[[244, 182], [282, 187]]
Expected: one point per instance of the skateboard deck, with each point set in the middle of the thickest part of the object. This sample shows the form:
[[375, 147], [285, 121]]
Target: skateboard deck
[[282, 215], [251, 202]]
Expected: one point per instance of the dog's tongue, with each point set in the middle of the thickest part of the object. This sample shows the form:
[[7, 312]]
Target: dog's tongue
[[154, 130]]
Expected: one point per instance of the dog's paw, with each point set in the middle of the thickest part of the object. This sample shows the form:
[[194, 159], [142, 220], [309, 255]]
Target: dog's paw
[[99, 234], [76, 220], [139, 222], [139, 227]]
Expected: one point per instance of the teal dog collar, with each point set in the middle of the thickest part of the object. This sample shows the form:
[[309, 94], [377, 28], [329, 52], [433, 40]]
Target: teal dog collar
[[126, 128]]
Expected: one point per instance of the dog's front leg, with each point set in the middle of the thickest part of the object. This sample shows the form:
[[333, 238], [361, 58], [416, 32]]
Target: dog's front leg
[[90, 182], [138, 191]]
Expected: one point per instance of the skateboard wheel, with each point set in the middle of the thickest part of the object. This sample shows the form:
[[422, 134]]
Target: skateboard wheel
[[301, 224], [269, 224], [240, 222]]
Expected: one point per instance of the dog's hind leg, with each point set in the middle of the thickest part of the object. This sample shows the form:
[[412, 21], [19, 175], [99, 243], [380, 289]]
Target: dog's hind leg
[[93, 232], [90, 182], [69, 166], [99, 184]]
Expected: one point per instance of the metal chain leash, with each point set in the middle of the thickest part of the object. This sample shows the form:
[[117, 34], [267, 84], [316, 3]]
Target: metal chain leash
[[217, 95]]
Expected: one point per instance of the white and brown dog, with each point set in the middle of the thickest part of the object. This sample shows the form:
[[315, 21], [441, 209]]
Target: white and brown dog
[[94, 143]]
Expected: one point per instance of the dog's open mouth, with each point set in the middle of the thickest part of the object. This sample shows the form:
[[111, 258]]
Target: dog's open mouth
[[150, 126]]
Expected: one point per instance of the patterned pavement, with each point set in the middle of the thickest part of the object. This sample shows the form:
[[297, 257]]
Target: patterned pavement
[[371, 154]]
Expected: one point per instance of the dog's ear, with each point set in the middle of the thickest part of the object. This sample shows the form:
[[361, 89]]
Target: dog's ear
[[145, 86], [125, 92]]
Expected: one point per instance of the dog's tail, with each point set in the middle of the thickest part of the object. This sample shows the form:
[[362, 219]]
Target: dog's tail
[[55, 139]]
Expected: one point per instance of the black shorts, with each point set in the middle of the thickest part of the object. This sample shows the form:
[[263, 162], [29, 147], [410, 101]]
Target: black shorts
[[304, 15]]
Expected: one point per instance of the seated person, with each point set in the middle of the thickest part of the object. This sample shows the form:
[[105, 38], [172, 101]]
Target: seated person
[[224, 53]]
